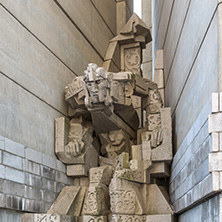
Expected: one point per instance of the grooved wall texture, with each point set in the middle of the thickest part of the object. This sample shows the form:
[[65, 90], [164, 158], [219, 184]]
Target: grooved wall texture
[[189, 32]]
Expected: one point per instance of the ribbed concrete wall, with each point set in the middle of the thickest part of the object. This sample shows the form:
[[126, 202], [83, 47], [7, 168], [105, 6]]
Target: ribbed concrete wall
[[189, 32]]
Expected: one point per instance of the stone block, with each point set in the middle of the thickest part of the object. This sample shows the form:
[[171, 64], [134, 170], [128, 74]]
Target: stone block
[[164, 152], [220, 138], [101, 174], [69, 201], [15, 148], [32, 192], [159, 59], [48, 172], [12, 161], [215, 142], [215, 161], [49, 161], [125, 197], [60, 166], [33, 155], [60, 177], [31, 167], [1, 156], [155, 200], [146, 150], [103, 161], [215, 103], [2, 200], [48, 184], [84, 181], [14, 175], [63, 131], [14, 202], [131, 175], [215, 122], [122, 161], [33, 180], [160, 218], [137, 152], [160, 170], [2, 171], [2, 144], [158, 78], [46, 217], [12, 188], [96, 200], [77, 170], [89, 218], [125, 218]]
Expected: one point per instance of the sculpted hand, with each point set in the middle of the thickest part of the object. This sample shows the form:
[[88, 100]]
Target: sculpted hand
[[74, 148], [156, 138]]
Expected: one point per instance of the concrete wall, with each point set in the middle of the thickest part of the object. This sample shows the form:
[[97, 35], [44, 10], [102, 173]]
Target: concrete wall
[[189, 32], [44, 45]]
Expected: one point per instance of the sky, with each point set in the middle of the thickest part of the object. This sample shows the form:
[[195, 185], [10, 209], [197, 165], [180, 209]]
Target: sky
[[137, 7]]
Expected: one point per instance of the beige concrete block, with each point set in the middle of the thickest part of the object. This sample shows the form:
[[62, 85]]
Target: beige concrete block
[[131, 175], [83, 181], [77, 170], [215, 103], [162, 93], [76, 182], [101, 174], [120, 16], [155, 202], [164, 151], [89, 218], [147, 12], [113, 53], [160, 218], [137, 152], [122, 161], [96, 200], [215, 142], [136, 101], [125, 218], [159, 59], [103, 161], [158, 78], [87, 22], [215, 122], [63, 132], [69, 201], [125, 197], [160, 170], [27, 217], [147, 53], [135, 164], [215, 161], [147, 70], [146, 150]]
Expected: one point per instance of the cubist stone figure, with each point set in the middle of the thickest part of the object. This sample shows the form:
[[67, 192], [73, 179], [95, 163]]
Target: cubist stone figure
[[118, 168]]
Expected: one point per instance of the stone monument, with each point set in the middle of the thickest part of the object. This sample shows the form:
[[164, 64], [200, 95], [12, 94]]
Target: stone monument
[[117, 142]]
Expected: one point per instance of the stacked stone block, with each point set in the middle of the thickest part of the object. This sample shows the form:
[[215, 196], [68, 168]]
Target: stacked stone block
[[29, 180]]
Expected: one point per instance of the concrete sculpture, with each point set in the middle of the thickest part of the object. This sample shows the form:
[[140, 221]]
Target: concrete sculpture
[[119, 158]]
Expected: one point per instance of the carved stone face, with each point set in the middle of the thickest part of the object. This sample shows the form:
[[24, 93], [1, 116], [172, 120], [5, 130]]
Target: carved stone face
[[116, 137], [154, 121], [76, 131], [97, 84]]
